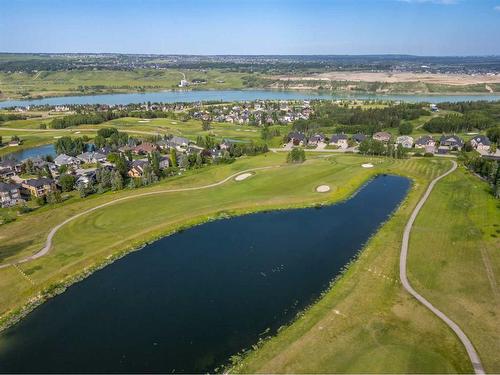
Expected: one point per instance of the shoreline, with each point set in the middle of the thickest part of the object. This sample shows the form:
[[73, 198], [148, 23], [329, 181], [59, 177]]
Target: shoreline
[[296, 90]]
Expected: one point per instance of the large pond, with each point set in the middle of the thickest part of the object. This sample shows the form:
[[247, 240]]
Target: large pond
[[189, 301], [235, 95], [28, 153]]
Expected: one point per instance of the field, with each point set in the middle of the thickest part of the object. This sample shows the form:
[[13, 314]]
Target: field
[[465, 253], [86, 82]]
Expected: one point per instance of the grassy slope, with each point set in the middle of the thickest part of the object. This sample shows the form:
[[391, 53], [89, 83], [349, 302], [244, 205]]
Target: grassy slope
[[15, 85], [459, 269], [376, 319]]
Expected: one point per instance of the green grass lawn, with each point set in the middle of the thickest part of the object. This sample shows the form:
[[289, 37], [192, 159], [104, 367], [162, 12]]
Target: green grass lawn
[[459, 269], [189, 129]]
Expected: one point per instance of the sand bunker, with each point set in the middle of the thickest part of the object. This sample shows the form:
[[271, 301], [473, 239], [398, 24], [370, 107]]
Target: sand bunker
[[242, 176], [323, 188], [144, 120], [367, 165]]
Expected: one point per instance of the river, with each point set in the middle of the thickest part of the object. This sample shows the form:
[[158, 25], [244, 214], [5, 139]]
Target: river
[[189, 301], [234, 95]]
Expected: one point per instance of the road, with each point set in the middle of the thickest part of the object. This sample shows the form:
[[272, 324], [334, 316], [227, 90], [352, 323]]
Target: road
[[48, 243], [473, 356]]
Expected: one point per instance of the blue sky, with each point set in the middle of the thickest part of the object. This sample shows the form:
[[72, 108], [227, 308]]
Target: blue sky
[[420, 27]]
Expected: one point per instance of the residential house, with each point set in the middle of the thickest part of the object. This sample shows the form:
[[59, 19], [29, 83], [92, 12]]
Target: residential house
[[180, 141], [297, 138], [216, 153], [64, 159], [164, 162], [358, 137], [10, 194], [450, 142], [38, 187], [85, 177], [9, 168], [481, 142], [405, 140], [382, 136], [144, 148], [137, 168], [339, 140], [316, 139], [226, 144], [425, 141], [92, 157]]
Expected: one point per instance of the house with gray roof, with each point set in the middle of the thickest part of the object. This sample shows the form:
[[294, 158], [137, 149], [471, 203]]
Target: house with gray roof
[[10, 194], [481, 142], [405, 140], [64, 159], [339, 140]]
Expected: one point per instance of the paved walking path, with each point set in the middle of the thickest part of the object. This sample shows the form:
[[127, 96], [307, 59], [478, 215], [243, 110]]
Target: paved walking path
[[474, 358], [53, 231]]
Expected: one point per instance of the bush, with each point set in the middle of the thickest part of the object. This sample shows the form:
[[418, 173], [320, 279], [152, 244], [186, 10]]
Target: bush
[[23, 209], [297, 155], [428, 154]]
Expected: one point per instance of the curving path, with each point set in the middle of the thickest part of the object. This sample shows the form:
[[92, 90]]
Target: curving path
[[53, 231], [473, 356]]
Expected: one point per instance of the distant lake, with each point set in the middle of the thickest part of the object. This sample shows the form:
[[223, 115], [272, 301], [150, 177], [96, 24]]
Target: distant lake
[[34, 152], [189, 301], [234, 95]]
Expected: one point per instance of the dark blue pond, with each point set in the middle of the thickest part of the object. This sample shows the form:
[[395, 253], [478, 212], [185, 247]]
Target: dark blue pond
[[186, 303]]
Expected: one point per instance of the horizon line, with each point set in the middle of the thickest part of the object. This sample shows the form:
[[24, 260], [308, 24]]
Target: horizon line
[[249, 55]]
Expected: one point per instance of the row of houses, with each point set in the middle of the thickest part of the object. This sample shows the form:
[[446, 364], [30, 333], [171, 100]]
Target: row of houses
[[257, 113], [14, 189], [445, 144]]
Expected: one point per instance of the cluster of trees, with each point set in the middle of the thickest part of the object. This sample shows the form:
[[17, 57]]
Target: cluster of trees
[[95, 117], [105, 179], [268, 133], [405, 128], [297, 155], [386, 117], [11, 116], [82, 118], [71, 146], [488, 169], [494, 134], [110, 137], [374, 147], [457, 123]]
